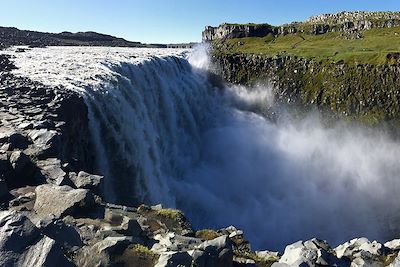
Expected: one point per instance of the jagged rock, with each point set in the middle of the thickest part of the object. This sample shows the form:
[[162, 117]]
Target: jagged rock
[[86, 181], [52, 171], [100, 253], [216, 252], [353, 246], [313, 252], [16, 232], [21, 243], [362, 252], [61, 200], [394, 244], [47, 143], [44, 253], [174, 259], [64, 234]]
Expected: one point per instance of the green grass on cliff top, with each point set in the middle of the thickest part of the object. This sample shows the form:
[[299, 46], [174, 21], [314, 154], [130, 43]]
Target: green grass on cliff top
[[372, 48]]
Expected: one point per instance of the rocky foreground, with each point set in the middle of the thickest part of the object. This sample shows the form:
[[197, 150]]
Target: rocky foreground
[[53, 212]]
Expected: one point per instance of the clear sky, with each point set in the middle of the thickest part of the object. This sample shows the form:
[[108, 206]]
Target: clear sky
[[167, 21]]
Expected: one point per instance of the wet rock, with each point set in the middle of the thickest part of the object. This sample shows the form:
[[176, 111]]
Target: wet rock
[[61, 200], [85, 180]]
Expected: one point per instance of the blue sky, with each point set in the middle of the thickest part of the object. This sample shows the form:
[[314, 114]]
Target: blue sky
[[166, 21]]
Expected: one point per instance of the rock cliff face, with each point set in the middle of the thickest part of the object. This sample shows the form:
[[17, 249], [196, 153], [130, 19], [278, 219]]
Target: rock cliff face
[[367, 92], [236, 31], [346, 22]]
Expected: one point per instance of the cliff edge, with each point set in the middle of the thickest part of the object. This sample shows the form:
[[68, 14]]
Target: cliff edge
[[348, 63]]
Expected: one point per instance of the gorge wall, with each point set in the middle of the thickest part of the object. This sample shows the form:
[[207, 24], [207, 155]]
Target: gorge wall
[[342, 63], [368, 92]]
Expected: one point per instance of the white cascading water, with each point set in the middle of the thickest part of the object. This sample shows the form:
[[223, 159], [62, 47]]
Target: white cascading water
[[165, 134]]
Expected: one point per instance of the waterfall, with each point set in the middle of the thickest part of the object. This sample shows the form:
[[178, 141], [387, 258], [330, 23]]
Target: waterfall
[[147, 123], [164, 133]]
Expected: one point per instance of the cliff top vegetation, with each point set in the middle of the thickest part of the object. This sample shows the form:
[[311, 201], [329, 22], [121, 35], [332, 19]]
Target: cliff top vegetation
[[374, 46]]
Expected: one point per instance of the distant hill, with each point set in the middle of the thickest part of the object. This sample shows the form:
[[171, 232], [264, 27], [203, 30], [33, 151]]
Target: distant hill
[[12, 36]]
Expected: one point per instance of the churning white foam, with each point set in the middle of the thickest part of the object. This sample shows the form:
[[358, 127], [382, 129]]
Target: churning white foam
[[164, 134]]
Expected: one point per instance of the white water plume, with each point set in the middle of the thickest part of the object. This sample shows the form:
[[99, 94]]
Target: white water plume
[[164, 134]]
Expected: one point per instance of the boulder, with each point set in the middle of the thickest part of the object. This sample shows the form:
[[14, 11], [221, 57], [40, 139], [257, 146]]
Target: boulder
[[52, 171], [313, 252], [61, 200], [85, 180]]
